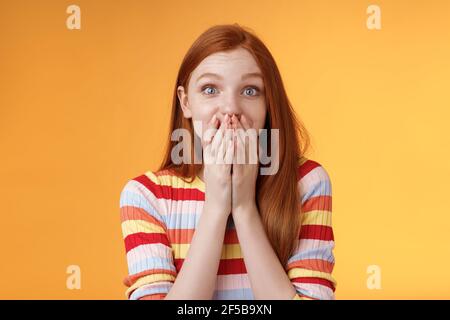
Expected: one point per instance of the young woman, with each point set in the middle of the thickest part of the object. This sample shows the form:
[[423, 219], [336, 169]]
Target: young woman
[[220, 229]]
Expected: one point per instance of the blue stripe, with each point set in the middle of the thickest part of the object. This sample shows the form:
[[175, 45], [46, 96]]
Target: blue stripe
[[235, 294], [182, 220], [140, 292], [325, 253], [189, 221], [321, 188], [129, 197], [151, 263]]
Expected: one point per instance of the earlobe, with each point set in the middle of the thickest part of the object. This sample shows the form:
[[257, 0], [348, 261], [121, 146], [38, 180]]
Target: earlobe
[[184, 103]]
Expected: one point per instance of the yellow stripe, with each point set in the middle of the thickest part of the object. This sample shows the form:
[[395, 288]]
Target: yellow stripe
[[229, 251], [198, 184], [317, 217], [149, 279], [152, 177], [175, 181], [297, 297], [301, 272], [135, 226]]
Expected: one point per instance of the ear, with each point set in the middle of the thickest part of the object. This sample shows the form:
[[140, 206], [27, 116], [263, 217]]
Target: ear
[[184, 103]]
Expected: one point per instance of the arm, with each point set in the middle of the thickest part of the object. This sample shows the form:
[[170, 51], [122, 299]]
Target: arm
[[200, 266], [152, 274], [311, 265], [308, 275], [148, 251], [268, 278]]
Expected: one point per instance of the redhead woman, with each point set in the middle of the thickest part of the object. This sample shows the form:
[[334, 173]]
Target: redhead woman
[[212, 224]]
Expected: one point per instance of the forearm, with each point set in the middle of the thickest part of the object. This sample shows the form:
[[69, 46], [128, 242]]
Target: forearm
[[267, 276], [199, 270]]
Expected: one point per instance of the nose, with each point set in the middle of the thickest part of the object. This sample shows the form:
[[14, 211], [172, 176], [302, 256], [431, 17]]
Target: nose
[[230, 106]]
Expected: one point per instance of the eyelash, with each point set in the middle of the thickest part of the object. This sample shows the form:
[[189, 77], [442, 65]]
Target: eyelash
[[258, 91]]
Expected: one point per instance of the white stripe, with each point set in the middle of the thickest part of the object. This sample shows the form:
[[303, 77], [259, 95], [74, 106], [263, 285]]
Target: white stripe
[[232, 282], [315, 290]]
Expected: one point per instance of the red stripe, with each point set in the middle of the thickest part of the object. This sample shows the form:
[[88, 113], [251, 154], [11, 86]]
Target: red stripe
[[169, 192], [131, 279], [321, 202], [181, 236], [232, 266], [137, 239], [226, 266], [156, 296], [309, 231], [306, 167], [314, 280], [178, 264]]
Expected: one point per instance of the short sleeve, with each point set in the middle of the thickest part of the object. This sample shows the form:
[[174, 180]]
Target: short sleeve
[[310, 266], [151, 270]]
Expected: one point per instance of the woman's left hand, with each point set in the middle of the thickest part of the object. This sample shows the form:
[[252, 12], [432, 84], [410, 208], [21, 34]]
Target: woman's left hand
[[245, 167]]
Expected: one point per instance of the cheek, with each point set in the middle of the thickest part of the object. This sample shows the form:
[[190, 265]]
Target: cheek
[[201, 117], [258, 117]]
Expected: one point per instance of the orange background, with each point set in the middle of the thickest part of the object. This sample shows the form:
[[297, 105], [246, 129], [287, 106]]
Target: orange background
[[83, 111]]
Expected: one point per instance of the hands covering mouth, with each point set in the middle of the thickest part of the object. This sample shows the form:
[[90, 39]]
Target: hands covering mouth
[[224, 142]]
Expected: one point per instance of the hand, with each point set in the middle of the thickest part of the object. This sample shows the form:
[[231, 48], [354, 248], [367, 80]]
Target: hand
[[245, 166], [218, 151]]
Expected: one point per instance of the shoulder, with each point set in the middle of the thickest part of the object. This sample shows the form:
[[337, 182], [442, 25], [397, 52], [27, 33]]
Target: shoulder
[[164, 185], [150, 183], [313, 179], [147, 193]]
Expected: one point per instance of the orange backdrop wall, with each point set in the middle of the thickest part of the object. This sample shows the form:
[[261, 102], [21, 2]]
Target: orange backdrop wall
[[82, 111]]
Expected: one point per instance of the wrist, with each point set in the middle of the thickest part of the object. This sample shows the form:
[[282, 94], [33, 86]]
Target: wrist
[[245, 209], [212, 209]]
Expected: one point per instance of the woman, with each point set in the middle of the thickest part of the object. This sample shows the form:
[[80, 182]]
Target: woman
[[219, 228]]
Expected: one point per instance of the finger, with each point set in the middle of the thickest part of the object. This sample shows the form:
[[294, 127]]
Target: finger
[[240, 156], [240, 144], [224, 144], [229, 143], [221, 151], [249, 136], [241, 130], [246, 123], [252, 146], [229, 156], [219, 134], [210, 130], [235, 122], [207, 155]]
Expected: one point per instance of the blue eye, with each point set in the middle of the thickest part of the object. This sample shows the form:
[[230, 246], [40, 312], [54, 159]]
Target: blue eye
[[250, 89], [208, 92]]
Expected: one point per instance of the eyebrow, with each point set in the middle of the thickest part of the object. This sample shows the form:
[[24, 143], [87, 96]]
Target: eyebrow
[[244, 76]]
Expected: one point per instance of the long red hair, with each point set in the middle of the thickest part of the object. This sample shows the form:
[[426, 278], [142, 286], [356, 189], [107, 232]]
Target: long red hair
[[277, 196]]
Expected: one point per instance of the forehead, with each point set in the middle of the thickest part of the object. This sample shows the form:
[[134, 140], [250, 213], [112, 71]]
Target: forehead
[[236, 62]]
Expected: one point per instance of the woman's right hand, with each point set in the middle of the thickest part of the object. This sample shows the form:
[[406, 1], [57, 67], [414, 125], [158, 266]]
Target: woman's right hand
[[218, 152]]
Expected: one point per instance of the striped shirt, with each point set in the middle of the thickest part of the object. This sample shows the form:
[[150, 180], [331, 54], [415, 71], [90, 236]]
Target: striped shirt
[[159, 213]]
